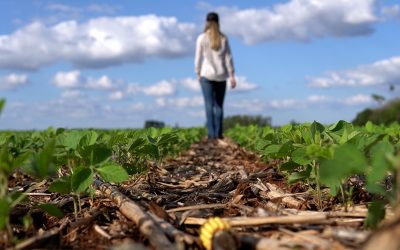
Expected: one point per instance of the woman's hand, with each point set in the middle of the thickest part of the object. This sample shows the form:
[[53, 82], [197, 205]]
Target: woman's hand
[[233, 81]]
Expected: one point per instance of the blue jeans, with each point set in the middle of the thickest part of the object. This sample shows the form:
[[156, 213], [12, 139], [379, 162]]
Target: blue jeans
[[214, 94]]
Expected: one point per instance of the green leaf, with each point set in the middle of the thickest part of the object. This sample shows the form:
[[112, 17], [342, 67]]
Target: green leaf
[[81, 179], [379, 164], [300, 156], [62, 185], [168, 139], [369, 126], [112, 172], [96, 154], [151, 140], [44, 160], [137, 144], [316, 128], [376, 213], [347, 161], [2, 104], [285, 150], [70, 139], [151, 150], [52, 210], [88, 139], [272, 149], [300, 176], [4, 212], [338, 126], [289, 166]]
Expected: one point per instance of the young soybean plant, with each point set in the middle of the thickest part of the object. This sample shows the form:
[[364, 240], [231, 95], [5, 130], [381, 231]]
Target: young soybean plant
[[84, 154]]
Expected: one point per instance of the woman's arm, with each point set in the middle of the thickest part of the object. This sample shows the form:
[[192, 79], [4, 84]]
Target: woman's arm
[[229, 64], [198, 56]]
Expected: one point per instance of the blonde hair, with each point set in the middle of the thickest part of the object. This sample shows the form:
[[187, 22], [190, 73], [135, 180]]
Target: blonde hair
[[214, 33]]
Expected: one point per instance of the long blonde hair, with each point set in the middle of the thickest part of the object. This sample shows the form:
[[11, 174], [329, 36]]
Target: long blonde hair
[[215, 34]]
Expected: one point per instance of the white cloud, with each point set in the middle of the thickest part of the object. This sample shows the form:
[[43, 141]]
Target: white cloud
[[243, 85], [74, 79], [72, 93], [284, 103], [13, 81], [99, 42], [137, 106], [359, 99], [116, 95], [180, 102], [162, 88], [71, 79], [317, 98], [392, 11], [191, 84], [62, 8], [384, 72], [104, 82], [247, 106], [300, 20], [133, 88], [102, 8]]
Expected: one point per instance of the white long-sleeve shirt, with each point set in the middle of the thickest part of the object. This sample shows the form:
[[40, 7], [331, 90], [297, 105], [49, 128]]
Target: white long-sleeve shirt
[[215, 65]]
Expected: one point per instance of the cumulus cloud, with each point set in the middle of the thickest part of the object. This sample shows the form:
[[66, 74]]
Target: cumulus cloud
[[191, 84], [161, 88], [356, 100], [243, 85], [102, 8], [62, 8], [392, 11], [180, 102], [72, 93], [384, 72], [116, 95], [261, 106], [74, 80], [284, 103], [99, 42], [13, 81], [300, 20], [71, 79]]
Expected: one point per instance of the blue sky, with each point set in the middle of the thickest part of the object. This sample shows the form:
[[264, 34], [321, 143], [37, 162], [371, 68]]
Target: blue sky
[[115, 64]]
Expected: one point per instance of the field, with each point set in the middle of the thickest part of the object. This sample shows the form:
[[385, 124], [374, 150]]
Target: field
[[305, 186]]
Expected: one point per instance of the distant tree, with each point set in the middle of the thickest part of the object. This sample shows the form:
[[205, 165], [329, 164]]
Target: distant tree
[[388, 113], [293, 122], [246, 120], [154, 124], [378, 98], [2, 104]]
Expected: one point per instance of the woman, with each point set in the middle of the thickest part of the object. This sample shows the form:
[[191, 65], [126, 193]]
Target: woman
[[213, 65]]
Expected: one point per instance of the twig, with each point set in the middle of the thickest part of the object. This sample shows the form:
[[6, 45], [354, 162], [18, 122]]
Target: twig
[[196, 207], [147, 226], [172, 232], [260, 221], [38, 194], [101, 231], [47, 234]]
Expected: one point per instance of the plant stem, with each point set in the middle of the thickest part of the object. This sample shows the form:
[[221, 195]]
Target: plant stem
[[75, 208], [343, 197], [318, 187]]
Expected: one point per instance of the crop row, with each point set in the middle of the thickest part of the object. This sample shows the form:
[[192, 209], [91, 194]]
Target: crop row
[[70, 160], [327, 156]]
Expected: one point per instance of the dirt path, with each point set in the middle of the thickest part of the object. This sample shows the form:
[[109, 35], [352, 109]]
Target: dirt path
[[211, 179]]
